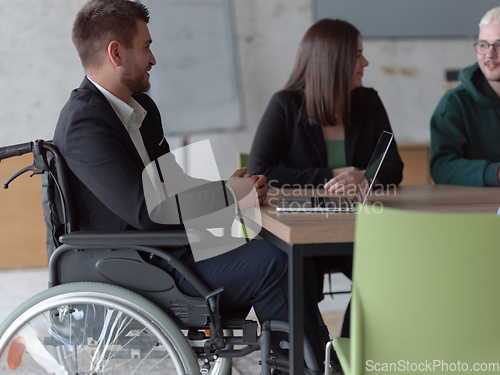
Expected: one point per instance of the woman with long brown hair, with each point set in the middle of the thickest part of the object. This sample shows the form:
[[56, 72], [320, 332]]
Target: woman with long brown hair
[[323, 126]]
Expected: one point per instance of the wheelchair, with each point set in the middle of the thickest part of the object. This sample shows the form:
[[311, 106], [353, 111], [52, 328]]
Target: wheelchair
[[110, 310]]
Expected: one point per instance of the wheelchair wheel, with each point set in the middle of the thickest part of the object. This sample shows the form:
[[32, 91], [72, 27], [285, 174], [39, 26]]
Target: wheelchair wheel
[[222, 366], [91, 328]]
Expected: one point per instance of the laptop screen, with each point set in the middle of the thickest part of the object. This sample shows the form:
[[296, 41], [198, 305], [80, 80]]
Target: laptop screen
[[373, 167]]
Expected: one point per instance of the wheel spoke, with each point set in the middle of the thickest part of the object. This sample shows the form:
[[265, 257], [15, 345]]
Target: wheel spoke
[[69, 330]]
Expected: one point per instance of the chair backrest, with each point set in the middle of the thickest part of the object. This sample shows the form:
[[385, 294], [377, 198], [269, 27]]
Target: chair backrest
[[57, 204], [425, 289], [242, 160]]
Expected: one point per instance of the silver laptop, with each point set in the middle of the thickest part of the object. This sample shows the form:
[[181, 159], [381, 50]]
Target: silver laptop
[[342, 203]]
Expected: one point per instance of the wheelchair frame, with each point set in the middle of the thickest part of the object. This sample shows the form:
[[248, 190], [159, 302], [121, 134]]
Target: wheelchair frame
[[94, 266]]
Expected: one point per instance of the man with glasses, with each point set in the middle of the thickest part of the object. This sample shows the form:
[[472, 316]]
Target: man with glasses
[[465, 127]]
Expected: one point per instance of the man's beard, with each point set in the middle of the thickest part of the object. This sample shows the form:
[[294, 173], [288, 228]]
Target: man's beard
[[137, 86]]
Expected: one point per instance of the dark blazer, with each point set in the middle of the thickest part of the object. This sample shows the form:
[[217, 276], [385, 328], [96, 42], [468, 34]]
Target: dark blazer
[[106, 169], [290, 152]]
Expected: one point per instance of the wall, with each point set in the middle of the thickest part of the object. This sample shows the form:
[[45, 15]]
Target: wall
[[39, 67], [409, 76], [268, 33]]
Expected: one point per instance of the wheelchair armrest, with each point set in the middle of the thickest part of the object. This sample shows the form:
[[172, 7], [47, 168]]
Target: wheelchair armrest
[[155, 242], [164, 238]]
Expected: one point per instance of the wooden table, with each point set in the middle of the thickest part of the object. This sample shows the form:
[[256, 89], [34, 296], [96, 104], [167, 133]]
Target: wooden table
[[319, 234]]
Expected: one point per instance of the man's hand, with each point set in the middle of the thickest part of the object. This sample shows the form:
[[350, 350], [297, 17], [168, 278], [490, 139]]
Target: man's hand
[[259, 182], [260, 186]]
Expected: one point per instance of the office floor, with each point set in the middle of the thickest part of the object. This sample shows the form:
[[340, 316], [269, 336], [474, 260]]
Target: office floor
[[16, 286]]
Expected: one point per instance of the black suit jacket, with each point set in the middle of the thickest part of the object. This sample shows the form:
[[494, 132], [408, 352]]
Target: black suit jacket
[[105, 167], [291, 152]]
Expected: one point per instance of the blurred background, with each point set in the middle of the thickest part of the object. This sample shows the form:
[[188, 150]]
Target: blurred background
[[234, 54], [218, 64]]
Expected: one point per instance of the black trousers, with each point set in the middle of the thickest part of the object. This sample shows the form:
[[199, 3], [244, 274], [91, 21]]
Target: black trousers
[[255, 274]]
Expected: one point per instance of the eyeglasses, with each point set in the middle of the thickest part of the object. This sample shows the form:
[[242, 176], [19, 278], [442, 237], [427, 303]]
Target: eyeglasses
[[483, 47]]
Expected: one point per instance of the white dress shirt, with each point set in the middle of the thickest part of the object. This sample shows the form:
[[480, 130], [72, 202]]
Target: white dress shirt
[[131, 115]]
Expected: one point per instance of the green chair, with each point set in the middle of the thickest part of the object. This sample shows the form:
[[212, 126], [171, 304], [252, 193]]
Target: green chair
[[243, 231], [242, 160], [425, 294]]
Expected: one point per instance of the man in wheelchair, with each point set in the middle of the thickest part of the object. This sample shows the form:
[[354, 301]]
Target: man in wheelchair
[[107, 132]]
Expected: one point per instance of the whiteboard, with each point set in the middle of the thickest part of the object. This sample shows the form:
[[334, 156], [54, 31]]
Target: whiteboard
[[195, 82], [408, 18]]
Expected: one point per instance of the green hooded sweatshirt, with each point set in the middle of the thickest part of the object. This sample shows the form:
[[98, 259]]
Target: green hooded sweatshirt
[[465, 133]]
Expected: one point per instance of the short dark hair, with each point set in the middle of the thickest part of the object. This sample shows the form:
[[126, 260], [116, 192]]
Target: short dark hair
[[323, 69], [101, 21]]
